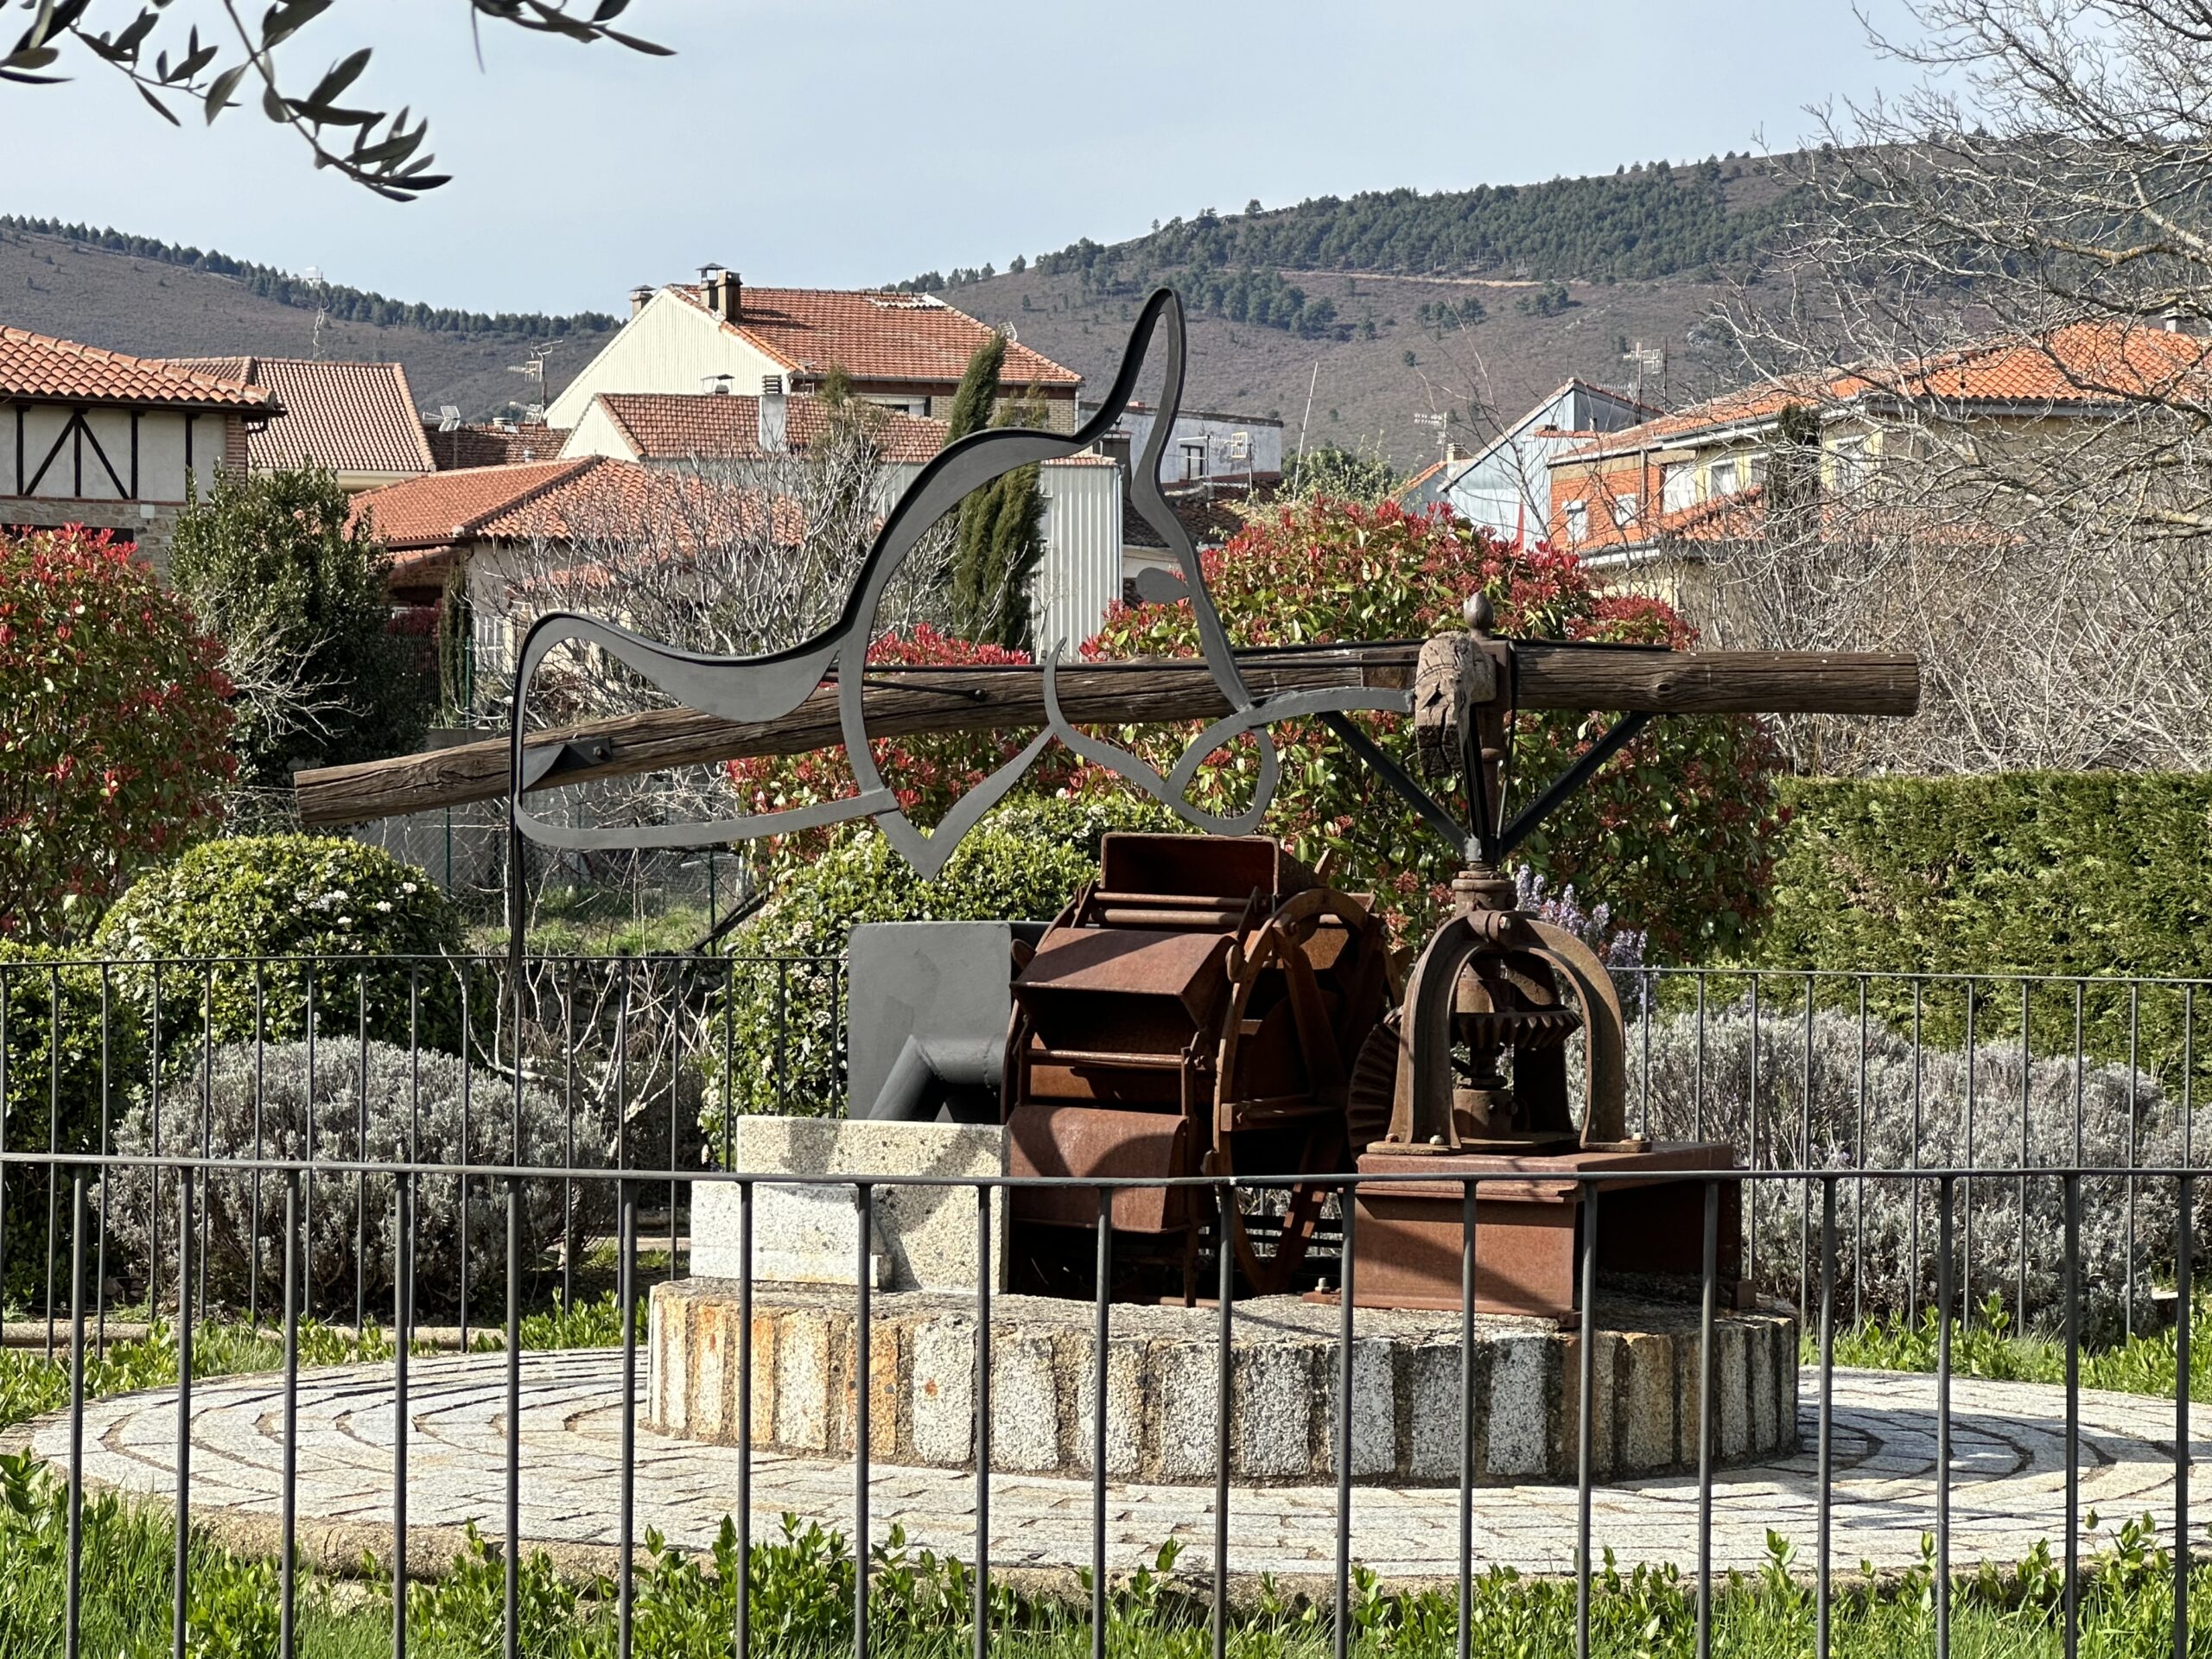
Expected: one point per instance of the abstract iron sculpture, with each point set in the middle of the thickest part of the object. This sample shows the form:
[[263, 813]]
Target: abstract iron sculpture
[[768, 687]]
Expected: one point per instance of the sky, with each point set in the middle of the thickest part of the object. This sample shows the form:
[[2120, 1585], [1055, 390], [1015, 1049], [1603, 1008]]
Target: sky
[[830, 144]]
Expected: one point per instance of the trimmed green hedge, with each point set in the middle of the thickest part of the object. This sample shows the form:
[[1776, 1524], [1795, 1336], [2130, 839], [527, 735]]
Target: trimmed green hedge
[[2064, 874], [781, 1023]]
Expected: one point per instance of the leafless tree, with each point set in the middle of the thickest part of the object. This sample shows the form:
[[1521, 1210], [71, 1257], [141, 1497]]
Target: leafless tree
[[2041, 194], [732, 558]]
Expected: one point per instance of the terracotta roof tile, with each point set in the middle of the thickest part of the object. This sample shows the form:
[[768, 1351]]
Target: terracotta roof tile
[[39, 367], [2079, 366], [350, 418], [424, 519], [715, 426], [874, 336]]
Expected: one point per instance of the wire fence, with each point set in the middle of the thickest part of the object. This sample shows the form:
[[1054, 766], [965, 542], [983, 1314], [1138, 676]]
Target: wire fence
[[374, 1140]]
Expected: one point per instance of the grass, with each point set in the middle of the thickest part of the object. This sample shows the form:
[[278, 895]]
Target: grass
[[685, 1604]]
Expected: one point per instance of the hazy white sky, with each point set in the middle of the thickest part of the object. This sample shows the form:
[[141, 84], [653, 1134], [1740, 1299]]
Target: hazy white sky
[[833, 142]]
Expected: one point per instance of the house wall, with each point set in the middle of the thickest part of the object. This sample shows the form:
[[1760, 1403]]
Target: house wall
[[1217, 432], [1508, 487], [671, 345], [596, 433], [1081, 573], [97, 465]]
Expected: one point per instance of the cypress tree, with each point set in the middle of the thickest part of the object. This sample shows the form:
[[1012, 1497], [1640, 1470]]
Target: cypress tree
[[1001, 539]]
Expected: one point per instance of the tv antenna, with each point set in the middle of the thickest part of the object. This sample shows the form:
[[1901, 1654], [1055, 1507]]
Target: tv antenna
[[1648, 357], [448, 417]]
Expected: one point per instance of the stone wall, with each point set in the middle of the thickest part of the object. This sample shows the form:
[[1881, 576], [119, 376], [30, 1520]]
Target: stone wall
[[1160, 1382]]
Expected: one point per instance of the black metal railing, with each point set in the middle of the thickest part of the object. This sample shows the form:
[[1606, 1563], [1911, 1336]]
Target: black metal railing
[[170, 1151]]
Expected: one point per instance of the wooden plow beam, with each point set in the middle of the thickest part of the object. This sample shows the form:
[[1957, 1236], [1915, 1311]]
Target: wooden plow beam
[[901, 701]]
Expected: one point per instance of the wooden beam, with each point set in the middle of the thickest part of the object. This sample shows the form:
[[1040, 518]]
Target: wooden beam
[[902, 701]]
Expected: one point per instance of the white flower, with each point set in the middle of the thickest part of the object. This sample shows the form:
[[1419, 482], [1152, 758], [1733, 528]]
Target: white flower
[[385, 905]]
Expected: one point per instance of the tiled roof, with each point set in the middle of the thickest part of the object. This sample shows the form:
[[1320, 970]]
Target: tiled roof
[[423, 519], [2079, 366], [350, 418], [874, 336], [715, 426], [493, 443], [38, 367]]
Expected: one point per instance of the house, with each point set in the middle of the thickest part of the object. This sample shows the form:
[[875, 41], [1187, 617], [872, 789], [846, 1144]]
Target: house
[[1202, 444], [1643, 498], [906, 351], [1505, 486], [1080, 575], [358, 420], [113, 441]]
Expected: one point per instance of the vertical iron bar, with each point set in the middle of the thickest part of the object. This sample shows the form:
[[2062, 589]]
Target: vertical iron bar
[[1805, 1158], [1467, 1287], [99, 1260], [863, 1320], [1966, 1191], [1100, 1335], [2185, 1247], [2134, 1038], [983, 1613], [73, 1589], [1749, 1194], [260, 1081], [1223, 1379], [402, 1325], [568, 1143], [745, 1420], [306, 1197], [1825, 1497], [2073, 1252], [361, 1151], [626, 1523], [288, 1478], [1858, 1186], [467, 1143], [1705, 1311], [1585, 1418], [512, 1587], [2027, 1064], [1943, 1319], [53, 1147], [1350, 1204], [206, 1120], [184, 1312]]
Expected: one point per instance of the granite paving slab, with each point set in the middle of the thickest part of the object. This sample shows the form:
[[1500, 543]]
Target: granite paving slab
[[2007, 1479]]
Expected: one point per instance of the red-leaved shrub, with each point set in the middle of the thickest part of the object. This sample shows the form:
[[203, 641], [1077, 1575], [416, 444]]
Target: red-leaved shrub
[[112, 722]]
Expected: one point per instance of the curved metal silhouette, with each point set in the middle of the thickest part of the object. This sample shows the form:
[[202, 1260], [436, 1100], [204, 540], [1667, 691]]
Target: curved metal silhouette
[[769, 686]]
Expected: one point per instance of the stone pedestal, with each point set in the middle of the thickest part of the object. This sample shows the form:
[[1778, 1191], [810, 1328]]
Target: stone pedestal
[[924, 1236], [1161, 1386]]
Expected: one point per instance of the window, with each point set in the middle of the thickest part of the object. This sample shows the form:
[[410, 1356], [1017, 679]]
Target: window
[[1677, 487], [1623, 509], [1850, 462], [1578, 523], [1723, 477], [1194, 459]]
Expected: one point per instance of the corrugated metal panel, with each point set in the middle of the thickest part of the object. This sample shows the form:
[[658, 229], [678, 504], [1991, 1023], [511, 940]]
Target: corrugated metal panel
[[1081, 573]]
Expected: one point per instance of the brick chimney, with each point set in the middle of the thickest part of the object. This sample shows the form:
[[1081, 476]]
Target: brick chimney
[[639, 296], [723, 291]]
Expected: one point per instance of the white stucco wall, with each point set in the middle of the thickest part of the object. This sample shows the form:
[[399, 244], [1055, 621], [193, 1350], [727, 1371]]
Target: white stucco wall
[[75, 473], [671, 345]]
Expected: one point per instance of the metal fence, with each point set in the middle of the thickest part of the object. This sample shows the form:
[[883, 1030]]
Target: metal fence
[[86, 1167]]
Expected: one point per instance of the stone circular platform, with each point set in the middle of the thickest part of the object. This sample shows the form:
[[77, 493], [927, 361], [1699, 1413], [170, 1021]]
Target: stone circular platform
[[2006, 1483], [1161, 1385]]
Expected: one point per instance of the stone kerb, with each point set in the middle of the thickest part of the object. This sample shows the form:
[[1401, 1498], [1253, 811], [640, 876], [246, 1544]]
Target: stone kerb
[[1160, 1382]]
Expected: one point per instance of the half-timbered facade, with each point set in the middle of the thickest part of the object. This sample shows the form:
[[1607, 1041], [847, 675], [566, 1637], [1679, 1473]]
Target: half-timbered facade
[[111, 442]]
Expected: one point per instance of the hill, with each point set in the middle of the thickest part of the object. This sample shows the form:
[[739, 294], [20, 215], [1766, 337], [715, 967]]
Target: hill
[[1388, 308], [129, 294], [1393, 305]]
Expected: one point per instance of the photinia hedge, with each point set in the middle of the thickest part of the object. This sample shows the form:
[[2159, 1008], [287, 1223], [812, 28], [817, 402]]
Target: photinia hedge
[[1676, 834], [928, 772], [112, 728]]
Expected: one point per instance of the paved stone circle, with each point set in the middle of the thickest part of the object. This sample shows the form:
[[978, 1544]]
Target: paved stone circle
[[1161, 1378], [2007, 1485]]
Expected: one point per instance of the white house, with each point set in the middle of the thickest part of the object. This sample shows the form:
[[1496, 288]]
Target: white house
[[1505, 488], [906, 351], [1204, 444], [102, 439]]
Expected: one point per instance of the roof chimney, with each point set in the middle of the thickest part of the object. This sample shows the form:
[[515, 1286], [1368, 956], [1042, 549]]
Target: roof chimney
[[774, 425], [638, 296], [721, 288]]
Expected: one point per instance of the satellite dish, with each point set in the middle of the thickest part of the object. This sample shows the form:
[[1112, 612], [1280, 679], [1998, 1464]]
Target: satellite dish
[[448, 417]]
